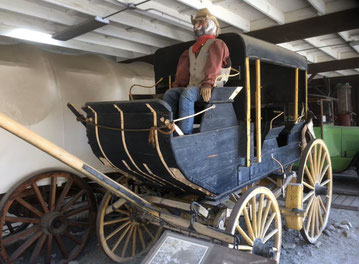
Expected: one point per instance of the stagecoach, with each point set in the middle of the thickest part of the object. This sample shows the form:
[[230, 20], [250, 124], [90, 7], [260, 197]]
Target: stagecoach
[[228, 182]]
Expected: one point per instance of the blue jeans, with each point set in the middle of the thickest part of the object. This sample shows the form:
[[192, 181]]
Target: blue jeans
[[182, 102]]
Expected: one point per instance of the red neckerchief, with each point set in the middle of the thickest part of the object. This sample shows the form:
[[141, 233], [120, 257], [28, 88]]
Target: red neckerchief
[[200, 42]]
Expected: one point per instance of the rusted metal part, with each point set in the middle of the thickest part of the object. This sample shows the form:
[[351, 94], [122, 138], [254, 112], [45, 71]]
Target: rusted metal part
[[43, 210]]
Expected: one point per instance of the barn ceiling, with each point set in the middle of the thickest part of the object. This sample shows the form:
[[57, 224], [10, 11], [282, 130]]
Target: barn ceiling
[[135, 32]]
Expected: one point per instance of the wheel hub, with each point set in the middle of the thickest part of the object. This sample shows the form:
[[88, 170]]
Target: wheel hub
[[320, 190], [261, 249], [53, 223]]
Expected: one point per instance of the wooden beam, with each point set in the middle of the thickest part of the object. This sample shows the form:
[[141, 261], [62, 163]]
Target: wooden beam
[[318, 5], [160, 12], [267, 9], [333, 65], [312, 27], [52, 15], [98, 8], [43, 38], [220, 13]]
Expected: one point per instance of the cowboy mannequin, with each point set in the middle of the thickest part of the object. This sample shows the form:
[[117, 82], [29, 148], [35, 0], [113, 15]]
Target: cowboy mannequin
[[197, 69]]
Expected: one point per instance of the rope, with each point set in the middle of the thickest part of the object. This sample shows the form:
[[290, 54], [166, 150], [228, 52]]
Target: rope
[[198, 113], [143, 86], [152, 130], [226, 75], [152, 134]]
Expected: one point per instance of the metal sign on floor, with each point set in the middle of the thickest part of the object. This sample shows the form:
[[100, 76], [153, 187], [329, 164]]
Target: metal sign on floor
[[174, 248]]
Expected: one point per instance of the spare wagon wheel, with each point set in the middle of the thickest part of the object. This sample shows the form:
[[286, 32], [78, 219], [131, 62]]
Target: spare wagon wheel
[[123, 232], [315, 173], [56, 212], [256, 220]]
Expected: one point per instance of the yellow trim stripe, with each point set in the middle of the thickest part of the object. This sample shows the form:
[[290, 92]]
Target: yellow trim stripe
[[162, 159], [248, 113]]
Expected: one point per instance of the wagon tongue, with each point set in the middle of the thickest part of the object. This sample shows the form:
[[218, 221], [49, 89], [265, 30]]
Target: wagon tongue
[[261, 249]]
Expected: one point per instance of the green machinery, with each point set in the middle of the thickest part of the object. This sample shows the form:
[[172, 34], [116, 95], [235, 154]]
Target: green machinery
[[342, 140]]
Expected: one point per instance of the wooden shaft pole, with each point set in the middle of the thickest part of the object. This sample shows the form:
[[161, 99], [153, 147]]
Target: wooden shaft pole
[[55, 151]]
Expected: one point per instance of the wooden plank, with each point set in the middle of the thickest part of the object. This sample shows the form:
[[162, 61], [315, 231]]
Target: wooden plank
[[340, 199], [346, 202]]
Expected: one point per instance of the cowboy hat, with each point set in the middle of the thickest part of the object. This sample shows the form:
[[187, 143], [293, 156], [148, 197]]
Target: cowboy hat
[[203, 14]]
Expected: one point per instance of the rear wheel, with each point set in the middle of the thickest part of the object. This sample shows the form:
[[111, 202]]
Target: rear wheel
[[315, 173], [45, 215]]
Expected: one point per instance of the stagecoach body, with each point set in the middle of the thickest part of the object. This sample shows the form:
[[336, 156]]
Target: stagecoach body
[[221, 156]]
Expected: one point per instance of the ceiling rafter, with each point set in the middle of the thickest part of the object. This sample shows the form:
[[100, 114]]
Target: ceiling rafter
[[52, 15], [125, 18], [318, 5], [159, 11], [311, 27], [16, 20], [8, 31], [220, 13], [267, 9]]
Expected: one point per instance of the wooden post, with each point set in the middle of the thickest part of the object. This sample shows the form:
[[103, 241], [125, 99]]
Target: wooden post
[[258, 111], [306, 95], [248, 113], [296, 95]]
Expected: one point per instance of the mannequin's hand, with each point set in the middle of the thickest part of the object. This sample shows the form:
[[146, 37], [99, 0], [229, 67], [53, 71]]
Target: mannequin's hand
[[206, 93]]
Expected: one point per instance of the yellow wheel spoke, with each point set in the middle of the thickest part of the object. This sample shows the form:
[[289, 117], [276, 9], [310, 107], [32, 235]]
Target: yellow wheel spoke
[[315, 163], [309, 218], [245, 248], [260, 212], [117, 220], [127, 241], [317, 221], [311, 193], [123, 212], [322, 205], [134, 240], [248, 223], [115, 206], [324, 172], [310, 177], [311, 164], [271, 233], [308, 186], [121, 238], [244, 235], [148, 231], [269, 205], [320, 217], [141, 238], [268, 224], [322, 162], [325, 182], [319, 157], [117, 230], [254, 216], [312, 224]]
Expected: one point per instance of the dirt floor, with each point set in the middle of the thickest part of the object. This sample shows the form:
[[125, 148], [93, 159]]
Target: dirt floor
[[339, 244]]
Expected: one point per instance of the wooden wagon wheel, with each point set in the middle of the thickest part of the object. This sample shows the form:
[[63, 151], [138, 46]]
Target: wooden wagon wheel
[[257, 221], [56, 212], [315, 173], [123, 232]]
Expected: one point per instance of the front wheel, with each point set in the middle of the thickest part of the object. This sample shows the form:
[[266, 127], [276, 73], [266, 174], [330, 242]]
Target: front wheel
[[315, 173], [257, 221]]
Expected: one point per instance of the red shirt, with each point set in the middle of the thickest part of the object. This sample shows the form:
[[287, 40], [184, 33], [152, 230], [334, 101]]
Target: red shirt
[[218, 57]]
